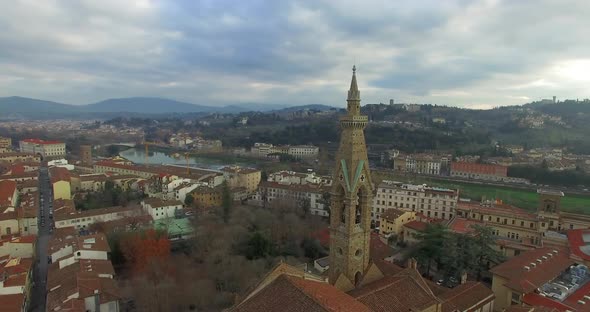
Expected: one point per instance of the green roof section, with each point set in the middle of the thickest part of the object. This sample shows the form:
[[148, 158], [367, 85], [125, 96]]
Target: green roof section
[[174, 226]]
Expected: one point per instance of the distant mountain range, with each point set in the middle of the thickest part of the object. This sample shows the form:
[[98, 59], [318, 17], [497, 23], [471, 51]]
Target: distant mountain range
[[19, 107]]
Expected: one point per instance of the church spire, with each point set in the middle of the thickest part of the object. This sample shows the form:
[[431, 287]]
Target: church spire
[[354, 96]]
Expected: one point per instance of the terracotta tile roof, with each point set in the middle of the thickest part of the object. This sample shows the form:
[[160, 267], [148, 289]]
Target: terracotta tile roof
[[294, 294], [43, 142], [579, 294], [536, 300], [7, 190], [462, 225], [59, 174], [392, 214], [526, 280], [68, 215], [378, 249], [577, 244], [12, 302], [466, 297], [416, 225], [16, 280], [405, 291], [499, 209], [96, 242], [475, 168]]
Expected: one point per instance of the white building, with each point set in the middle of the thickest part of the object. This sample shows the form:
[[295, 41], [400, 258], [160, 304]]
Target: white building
[[83, 219], [298, 194], [161, 209], [432, 202], [44, 148]]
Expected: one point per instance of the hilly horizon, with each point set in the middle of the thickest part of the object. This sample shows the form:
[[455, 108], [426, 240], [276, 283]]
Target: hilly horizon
[[145, 105]]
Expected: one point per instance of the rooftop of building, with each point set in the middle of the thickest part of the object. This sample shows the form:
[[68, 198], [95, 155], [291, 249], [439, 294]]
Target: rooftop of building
[[545, 191], [156, 202], [392, 214], [95, 242], [43, 142], [68, 214], [12, 302], [59, 174], [579, 243], [293, 294], [533, 269], [497, 208], [7, 191], [175, 226], [463, 225], [416, 225]]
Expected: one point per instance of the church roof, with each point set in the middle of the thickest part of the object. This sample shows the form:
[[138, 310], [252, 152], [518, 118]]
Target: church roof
[[402, 292], [294, 294]]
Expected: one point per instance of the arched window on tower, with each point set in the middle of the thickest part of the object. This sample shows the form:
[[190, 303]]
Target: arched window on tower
[[357, 213], [343, 213]]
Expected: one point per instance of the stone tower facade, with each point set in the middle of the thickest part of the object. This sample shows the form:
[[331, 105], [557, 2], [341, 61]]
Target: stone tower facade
[[86, 154], [351, 196], [550, 207]]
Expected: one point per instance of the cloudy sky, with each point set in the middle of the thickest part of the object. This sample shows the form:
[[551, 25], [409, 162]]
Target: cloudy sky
[[466, 53]]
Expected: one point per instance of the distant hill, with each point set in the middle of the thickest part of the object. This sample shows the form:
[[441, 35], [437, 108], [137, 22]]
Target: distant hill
[[147, 105], [316, 107], [22, 107], [17, 104]]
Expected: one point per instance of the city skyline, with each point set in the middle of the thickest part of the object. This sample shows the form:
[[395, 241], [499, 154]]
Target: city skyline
[[477, 54]]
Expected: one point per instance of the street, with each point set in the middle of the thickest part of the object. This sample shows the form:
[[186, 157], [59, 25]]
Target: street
[[38, 293]]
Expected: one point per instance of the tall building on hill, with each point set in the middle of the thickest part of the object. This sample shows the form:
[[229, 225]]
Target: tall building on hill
[[350, 218]]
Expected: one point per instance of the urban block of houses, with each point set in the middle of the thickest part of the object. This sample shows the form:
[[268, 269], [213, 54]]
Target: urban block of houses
[[16, 277], [80, 277]]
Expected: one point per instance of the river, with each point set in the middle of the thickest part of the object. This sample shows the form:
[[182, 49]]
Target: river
[[159, 158]]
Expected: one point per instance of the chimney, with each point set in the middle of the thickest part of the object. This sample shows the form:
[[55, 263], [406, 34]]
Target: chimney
[[464, 277], [412, 263]]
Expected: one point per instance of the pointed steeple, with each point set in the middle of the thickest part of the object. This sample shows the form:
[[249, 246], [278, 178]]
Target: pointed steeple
[[354, 96]]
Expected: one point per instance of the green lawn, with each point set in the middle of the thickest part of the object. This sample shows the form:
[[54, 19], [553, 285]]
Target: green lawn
[[526, 199]]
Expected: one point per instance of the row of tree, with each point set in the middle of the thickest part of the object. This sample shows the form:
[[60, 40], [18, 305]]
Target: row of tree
[[453, 254]]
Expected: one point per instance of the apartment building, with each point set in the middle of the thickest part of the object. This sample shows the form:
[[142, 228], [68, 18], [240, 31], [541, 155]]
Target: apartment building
[[236, 176], [297, 151], [83, 219], [297, 194], [5, 144], [479, 171], [51, 149], [161, 209], [433, 202], [13, 157]]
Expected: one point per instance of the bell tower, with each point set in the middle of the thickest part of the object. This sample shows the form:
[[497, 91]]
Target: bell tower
[[351, 196]]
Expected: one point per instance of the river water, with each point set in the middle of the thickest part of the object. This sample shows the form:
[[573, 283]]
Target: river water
[[160, 158]]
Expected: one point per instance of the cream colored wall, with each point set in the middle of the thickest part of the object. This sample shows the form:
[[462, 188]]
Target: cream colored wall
[[12, 224], [396, 226], [61, 190], [503, 294]]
